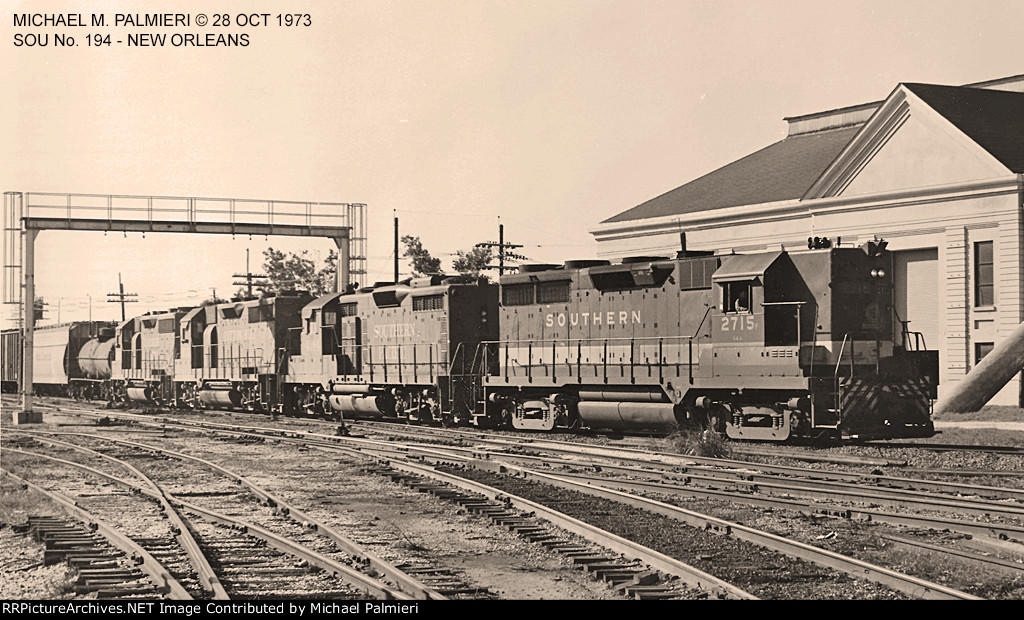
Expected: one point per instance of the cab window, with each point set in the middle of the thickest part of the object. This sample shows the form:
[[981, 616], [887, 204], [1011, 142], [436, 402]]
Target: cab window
[[736, 297]]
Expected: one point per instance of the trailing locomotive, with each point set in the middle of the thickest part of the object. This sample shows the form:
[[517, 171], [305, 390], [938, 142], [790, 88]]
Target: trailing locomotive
[[408, 350], [766, 346], [221, 355]]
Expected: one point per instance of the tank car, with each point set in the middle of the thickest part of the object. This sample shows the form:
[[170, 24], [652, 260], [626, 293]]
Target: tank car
[[68, 359], [406, 350], [233, 354], [764, 346]]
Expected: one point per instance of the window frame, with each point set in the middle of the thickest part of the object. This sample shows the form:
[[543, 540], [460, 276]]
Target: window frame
[[987, 285]]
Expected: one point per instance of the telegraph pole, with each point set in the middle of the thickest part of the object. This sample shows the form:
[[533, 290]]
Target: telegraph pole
[[396, 247], [503, 248], [119, 298], [250, 278]]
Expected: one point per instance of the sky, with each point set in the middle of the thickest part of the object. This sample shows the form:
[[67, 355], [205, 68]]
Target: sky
[[545, 116]]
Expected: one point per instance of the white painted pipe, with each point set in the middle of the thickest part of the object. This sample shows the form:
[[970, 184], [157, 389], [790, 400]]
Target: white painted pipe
[[988, 377]]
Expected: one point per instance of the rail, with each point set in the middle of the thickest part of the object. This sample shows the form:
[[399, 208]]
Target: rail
[[207, 577], [913, 586], [407, 582], [168, 585]]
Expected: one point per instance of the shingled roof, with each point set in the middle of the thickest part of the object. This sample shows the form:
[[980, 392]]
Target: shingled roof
[[787, 169], [783, 171], [992, 118]]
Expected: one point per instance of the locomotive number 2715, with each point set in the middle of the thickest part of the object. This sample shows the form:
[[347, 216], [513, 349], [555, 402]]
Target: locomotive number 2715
[[738, 323]]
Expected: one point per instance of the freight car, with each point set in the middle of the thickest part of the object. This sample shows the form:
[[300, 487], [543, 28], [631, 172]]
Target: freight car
[[10, 360], [764, 346], [71, 359]]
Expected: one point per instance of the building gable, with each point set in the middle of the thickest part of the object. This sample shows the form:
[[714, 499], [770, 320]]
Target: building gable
[[909, 144]]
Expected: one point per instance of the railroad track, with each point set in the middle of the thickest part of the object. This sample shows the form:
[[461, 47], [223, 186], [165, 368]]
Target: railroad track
[[443, 580], [914, 589], [268, 556], [702, 469]]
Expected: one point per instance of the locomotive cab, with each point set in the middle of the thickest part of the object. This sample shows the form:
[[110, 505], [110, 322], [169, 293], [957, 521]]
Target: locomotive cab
[[759, 318]]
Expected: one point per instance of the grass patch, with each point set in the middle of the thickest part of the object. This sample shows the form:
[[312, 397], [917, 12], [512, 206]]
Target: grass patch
[[699, 442], [989, 413]]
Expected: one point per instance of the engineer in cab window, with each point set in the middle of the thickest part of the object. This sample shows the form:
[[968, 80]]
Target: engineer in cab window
[[739, 297]]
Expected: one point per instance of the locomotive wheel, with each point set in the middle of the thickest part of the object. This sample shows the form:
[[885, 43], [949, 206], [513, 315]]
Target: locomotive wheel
[[250, 398], [505, 414], [190, 396]]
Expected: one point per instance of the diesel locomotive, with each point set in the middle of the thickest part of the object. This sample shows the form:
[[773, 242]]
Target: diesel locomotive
[[765, 346]]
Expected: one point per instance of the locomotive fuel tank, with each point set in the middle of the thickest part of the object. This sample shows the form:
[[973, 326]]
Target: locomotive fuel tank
[[625, 415], [370, 404], [220, 394]]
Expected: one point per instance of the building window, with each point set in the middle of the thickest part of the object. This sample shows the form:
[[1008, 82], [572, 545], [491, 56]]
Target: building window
[[984, 275], [981, 349]]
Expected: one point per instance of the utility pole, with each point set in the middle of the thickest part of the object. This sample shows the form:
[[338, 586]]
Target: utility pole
[[250, 278], [396, 247], [119, 298], [503, 248]]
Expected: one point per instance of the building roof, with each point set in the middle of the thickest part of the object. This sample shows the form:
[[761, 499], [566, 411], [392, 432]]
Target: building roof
[[783, 171], [786, 170], [994, 119]]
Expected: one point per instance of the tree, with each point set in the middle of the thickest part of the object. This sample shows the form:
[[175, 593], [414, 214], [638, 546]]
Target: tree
[[297, 272], [213, 299], [472, 262], [423, 263]]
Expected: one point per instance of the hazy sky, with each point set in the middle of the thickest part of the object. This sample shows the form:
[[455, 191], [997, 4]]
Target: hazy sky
[[552, 115]]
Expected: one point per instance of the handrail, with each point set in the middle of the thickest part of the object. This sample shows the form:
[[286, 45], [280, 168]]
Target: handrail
[[625, 340], [835, 376], [701, 324], [839, 358]]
